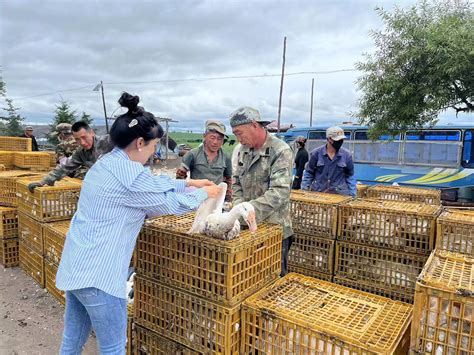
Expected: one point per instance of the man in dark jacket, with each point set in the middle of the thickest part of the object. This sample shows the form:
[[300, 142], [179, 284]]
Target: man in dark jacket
[[28, 133], [301, 159]]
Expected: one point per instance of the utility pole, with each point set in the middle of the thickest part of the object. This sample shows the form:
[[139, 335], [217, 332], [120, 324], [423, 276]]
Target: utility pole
[[311, 110], [105, 110], [96, 88], [281, 84]]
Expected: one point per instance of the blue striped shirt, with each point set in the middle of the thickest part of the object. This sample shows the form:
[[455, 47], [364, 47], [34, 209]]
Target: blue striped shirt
[[117, 194]]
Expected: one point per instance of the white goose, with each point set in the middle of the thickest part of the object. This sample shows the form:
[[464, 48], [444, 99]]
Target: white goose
[[211, 221]]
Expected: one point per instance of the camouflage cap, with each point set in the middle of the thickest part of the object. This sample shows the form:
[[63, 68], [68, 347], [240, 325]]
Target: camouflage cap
[[245, 115], [217, 126], [64, 128], [28, 128]]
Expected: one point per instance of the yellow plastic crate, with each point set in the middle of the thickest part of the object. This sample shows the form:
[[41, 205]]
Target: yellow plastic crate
[[149, 342], [6, 159], [15, 144], [32, 160], [444, 306], [391, 272], [9, 252], [362, 190], [130, 330], [8, 222], [404, 193], [219, 270], [455, 231], [315, 213], [49, 203], [311, 252], [8, 189], [195, 322], [52, 158], [32, 263], [54, 236], [31, 233], [50, 271], [2, 167], [303, 315], [404, 226]]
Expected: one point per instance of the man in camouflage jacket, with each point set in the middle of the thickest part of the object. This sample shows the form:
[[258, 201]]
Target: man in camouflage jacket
[[91, 148], [263, 174]]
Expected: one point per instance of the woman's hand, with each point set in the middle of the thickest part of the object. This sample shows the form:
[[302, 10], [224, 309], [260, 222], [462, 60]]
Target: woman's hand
[[213, 191], [200, 183]]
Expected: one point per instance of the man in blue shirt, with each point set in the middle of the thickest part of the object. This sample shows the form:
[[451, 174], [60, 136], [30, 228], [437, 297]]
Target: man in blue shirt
[[330, 167]]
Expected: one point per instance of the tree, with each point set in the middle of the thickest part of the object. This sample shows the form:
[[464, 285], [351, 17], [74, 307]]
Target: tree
[[63, 114], [13, 121], [423, 65], [86, 118]]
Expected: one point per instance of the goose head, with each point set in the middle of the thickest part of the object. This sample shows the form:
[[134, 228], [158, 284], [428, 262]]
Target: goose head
[[248, 214]]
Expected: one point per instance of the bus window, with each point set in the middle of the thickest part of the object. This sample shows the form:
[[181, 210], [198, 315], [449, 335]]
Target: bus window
[[432, 147], [468, 150], [384, 150], [317, 135]]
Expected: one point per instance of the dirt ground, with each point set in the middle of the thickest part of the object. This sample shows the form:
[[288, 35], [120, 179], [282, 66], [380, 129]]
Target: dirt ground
[[31, 320]]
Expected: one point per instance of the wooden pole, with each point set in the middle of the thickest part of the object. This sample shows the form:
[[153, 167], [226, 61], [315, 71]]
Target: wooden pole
[[281, 84], [105, 110], [311, 111]]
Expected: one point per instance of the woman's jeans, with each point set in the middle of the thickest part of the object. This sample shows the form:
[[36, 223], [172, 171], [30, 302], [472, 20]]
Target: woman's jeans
[[106, 314]]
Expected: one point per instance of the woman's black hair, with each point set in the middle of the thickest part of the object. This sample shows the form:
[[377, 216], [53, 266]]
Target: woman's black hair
[[134, 124]]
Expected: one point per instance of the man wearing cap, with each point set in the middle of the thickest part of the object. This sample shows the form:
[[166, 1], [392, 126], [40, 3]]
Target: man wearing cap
[[208, 161], [67, 144], [330, 167], [301, 159], [263, 174], [28, 133], [91, 148]]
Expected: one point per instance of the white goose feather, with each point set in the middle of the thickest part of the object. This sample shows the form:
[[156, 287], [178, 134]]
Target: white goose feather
[[211, 221]]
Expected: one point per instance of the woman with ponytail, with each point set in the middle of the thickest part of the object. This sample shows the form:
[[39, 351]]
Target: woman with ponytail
[[117, 194]]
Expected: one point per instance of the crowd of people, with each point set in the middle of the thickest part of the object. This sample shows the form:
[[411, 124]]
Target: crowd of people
[[119, 192]]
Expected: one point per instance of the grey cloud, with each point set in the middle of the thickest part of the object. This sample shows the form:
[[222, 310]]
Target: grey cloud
[[54, 45]]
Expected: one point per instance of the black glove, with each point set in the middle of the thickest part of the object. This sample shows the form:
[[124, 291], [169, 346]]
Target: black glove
[[34, 185]]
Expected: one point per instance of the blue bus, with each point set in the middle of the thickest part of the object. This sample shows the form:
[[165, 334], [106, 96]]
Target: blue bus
[[438, 157]]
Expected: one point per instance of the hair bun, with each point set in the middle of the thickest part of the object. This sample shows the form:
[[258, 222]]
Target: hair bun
[[129, 101]]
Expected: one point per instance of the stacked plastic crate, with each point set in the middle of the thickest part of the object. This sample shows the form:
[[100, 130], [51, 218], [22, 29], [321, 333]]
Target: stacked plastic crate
[[8, 147], [54, 236], [189, 288], [383, 245], [9, 254], [303, 315], [314, 219], [404, 193], [444, 291], [38, 161], [444, 305], [46, 204]]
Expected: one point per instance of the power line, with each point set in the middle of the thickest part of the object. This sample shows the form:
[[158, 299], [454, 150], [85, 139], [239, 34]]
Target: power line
[[91, 86]]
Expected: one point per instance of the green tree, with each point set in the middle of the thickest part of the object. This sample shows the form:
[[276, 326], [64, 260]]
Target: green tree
[[86, 118], [12, 121], [423, 65], [62, 114]]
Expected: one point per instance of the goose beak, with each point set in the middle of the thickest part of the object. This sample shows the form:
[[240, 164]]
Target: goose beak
[[251, 222]]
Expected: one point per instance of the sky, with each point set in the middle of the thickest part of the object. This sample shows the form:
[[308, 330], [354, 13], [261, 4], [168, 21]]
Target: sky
[[186, 59]]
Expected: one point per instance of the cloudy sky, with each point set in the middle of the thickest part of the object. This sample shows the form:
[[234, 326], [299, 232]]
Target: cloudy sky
[[54, 50]]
